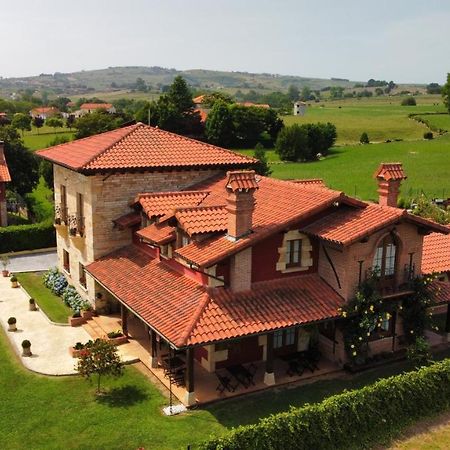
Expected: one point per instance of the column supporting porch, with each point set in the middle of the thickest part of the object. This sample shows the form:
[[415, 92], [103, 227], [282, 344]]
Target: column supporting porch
[[269, 375]]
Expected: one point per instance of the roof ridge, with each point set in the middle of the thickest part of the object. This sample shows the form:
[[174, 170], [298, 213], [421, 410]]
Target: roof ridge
[[199, 207], [168, 193], [196, 317], [133, 128]]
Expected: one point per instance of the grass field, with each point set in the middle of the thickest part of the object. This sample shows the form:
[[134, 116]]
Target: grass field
[[41, 199], [382, 118], [35, 141], [50, 303], [129, 414], [350, 168]]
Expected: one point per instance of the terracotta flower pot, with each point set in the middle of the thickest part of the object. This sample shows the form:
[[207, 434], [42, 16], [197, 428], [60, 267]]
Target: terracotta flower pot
[[32, 307], [5, 273], [26, 351], [14, 284], [12, 327]]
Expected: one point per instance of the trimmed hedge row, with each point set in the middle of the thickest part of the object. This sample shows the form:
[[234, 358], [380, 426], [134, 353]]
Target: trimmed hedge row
[[27, 237], [351, 420]]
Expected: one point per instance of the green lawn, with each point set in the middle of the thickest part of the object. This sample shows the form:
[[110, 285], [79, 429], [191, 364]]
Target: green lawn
[[381, 119], [35, 141], [350, 168], [129, 415], [50, 303]]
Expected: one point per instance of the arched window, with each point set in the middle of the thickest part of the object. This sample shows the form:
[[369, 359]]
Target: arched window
[[385, 256]]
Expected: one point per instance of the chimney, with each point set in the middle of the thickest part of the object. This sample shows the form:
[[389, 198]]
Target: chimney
[[389, 176], [241, 187]]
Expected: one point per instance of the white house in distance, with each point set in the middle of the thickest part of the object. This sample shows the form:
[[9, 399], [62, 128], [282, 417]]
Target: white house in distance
[[299, 108], [87, 108], [44, 112]]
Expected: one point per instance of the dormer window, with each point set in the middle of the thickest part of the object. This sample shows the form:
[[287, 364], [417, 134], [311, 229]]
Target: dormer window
[[295, 253]]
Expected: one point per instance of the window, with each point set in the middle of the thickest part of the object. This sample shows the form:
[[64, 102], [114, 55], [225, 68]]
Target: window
[[66, 261], [82, 275], [184, 240], [278, 339], [290, 336], [283, 338], [384, 259], [293, 252]]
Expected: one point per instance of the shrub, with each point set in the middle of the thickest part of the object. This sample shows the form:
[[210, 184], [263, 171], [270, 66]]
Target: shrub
[[12, 320], [364, 139], [27, 237], [13, 279], [409, 101], [55, 281], [72, 299], [355, 419], [32, 302], [115, 334], [419, 352], [26, 343], [428, 135]]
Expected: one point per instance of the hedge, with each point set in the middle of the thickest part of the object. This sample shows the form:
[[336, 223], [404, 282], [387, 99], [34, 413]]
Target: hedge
[[27, 237], [351, 420]]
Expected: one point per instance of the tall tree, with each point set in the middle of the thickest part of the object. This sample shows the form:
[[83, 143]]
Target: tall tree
[[262, 167], [38, 122], [219, 125], [21, 121], [22, 164], [446, 92], [96, 122], [292, 143]]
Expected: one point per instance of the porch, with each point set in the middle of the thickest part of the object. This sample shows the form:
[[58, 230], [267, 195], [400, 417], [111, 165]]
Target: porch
[[205, 384]]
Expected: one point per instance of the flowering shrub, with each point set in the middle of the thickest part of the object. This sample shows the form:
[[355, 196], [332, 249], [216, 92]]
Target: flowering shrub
[[55, 281], [73, 300]]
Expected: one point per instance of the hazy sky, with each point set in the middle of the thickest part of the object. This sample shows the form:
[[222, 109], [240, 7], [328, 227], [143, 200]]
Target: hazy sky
[[402, 40]]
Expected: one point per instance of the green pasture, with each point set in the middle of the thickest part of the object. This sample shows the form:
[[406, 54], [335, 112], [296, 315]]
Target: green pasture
[[382, 119], [350, 168], [42, 137]]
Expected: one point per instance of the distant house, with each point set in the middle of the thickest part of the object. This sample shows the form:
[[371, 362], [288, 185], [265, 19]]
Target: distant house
[[299, 108], [44, 112], [88, 108], [5, 177], [198, 101], [254, 105]]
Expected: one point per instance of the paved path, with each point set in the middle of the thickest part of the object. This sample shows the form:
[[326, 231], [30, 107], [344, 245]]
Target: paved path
[[49, 343], [33, 262]]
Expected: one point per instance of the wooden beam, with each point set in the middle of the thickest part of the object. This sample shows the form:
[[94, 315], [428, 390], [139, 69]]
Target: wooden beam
[[153, 344], [124, 319], [269, 353]]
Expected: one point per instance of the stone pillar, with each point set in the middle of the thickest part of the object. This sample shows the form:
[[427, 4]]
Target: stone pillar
[[269, 376], [124, 319], [153, 349], [190, 388]]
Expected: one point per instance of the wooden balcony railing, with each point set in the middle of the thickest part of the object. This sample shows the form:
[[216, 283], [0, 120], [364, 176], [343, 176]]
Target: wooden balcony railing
[[61, 215], [396, 284], [76, 225]]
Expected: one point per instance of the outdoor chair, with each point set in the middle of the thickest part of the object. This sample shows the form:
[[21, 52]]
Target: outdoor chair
[[225, 383], [295, 368]]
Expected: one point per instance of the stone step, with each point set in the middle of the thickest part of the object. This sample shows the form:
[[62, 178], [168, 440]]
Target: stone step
[[94, 332]]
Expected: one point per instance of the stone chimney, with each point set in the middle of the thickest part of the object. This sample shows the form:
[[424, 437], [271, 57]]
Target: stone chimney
[[389, 176], [241, 187]]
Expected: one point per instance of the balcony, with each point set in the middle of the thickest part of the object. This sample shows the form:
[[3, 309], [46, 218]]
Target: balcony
[[76, 225], [61, 215], [397, 284]]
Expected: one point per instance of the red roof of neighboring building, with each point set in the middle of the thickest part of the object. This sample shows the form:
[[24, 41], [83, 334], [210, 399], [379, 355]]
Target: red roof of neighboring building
[[5, 177], [187, 314], [128, 220], [268, 306], [254, 105], [96, 106], [158, 204], [45, 109], [140, 147], [202, 219], [158, 233], [199, 99], [436, 253]]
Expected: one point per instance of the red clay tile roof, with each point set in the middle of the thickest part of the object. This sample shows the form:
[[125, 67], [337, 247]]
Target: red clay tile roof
[[156, 204], [140, 147], [254, 105], [314, 181], [202, 219], [390, 171], [128, 220], [165, 299], [5, 177], [268, 306], [241, 180], [348, 225], [45, 109], [436, 253], [278, 204], [441, 291], [158, 233], [198, 99], [96, 106]]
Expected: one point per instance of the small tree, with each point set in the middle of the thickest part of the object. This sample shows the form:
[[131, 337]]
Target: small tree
[[428, 135], [22, 122], [70, 121], [446, 92], [38, 122], [219, 128], [409, 101], [262, 167], [54, 122], [364, 139], [101, 359], [292, 143]]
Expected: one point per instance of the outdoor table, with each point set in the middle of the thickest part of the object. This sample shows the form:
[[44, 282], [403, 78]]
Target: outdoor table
[[241, 374]]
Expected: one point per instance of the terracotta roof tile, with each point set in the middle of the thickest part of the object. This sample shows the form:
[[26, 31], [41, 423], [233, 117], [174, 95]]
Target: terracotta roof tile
[[140, 147], [241, 180], [96, 106], [156, 204], [128, 220], [436, 253], [268, 306], [45, 109], [164, 298], [390, 171], [5, 176], [159, 233], [202, 219]]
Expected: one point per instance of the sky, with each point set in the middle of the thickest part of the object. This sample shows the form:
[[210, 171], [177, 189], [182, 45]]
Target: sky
[[400, 40]]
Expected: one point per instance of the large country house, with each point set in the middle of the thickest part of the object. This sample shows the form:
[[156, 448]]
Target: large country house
[[208, 260]]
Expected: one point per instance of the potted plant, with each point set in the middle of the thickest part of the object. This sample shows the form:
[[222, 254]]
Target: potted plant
[[32, 305], [76, 319], [86, 311], [14, 282], [12, 324], [5, 262], [26, 348], [117, 337]]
